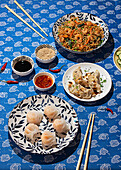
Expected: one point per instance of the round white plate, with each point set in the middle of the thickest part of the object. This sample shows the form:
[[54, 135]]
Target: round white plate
[[88, 67], [18, 121]]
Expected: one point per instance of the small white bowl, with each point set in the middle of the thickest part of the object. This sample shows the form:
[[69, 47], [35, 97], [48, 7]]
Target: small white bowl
[[45, 60], [21, 58], [40, 74], [115, 60]]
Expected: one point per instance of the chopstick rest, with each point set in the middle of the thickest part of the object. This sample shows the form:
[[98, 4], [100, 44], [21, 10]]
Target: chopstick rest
[[23, 21], [29, 16], [84, 143]]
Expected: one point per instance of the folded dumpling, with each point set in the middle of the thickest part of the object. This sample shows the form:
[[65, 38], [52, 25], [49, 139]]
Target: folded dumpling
[[34, 116], [78, 77], [31, 130], [51, 111], [86, 86], [60, 125], [94, 81], [80, 91], [48, 139]]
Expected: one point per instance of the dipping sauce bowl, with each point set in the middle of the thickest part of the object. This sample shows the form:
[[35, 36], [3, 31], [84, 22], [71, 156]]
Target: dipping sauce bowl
[[22, 65], [43, 81]]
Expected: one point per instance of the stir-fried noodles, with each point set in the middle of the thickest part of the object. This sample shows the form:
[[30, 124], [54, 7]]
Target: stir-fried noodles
[[79, 35]]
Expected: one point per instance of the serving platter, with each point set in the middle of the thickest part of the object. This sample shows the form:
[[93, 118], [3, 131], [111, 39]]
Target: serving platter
[[18, 121], [88, 67], [81, 16]]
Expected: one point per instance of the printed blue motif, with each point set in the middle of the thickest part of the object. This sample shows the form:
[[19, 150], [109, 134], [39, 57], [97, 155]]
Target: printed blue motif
[[17, 39]]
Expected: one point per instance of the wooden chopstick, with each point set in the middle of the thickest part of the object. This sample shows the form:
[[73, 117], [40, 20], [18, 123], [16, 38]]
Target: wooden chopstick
[[29, 16], [89, 144], [83, 145], [23, 21]]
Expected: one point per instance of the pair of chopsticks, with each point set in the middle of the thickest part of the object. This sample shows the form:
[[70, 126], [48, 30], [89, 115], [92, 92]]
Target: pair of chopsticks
[[24, 20], [84, 143]]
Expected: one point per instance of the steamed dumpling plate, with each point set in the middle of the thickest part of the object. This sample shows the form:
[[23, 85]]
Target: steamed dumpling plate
[[43, 124], [48, 138]]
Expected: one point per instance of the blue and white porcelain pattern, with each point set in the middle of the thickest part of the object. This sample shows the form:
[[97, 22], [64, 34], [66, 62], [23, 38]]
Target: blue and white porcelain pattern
[[17, 39], [18, 122], [82, 16]]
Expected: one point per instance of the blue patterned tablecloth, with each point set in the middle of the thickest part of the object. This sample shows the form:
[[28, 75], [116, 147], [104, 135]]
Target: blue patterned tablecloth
[[17, 39]]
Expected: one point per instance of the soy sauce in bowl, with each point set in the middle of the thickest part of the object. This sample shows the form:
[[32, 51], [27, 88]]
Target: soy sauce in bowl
[[23, 66]]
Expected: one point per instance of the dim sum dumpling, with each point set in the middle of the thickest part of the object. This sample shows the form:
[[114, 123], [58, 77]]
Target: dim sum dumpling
[[51, 111], [31, 130], [34, 116], [60, 125], [48, 139]]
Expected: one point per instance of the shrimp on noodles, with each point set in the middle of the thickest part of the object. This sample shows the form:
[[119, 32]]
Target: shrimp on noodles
[[79, 35]]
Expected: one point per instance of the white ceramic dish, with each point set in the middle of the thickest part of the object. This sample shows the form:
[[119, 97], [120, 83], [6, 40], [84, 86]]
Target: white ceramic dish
[[81, 16], [115, 60], [17, 122], [19, 58], [40, 74], [89, 67], [46, 60]]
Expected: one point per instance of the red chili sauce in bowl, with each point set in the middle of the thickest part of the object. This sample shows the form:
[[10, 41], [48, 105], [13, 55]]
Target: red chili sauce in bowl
[[43, 81]]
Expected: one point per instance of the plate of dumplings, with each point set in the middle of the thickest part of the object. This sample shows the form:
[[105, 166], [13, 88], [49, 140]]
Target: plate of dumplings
[[43, 124], [87, 82]]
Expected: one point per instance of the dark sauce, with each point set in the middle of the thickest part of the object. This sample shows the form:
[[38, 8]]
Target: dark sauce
[[22, 66]]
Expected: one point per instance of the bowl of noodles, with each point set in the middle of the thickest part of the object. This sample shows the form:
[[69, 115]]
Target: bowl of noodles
[[80, 33]]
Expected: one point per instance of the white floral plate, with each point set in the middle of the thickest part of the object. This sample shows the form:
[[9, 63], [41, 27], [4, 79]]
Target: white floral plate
[[89, 67], [17, 122]]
